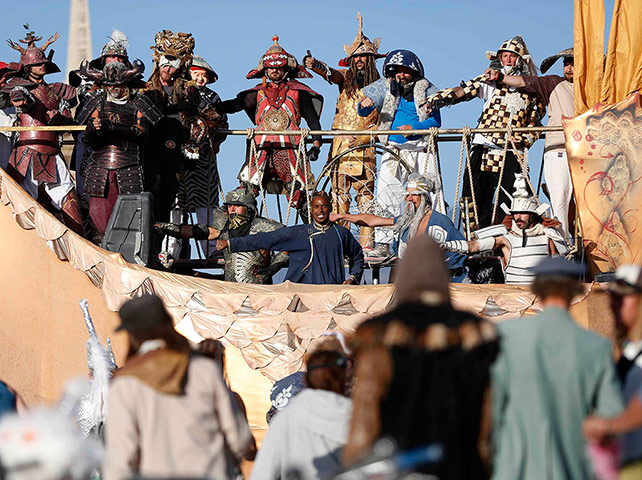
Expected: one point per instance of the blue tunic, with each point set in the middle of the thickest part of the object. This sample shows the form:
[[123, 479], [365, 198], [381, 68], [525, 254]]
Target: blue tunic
[[319, 261], [440, 228]]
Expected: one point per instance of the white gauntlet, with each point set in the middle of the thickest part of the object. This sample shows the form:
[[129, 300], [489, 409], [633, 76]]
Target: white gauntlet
[[486, 244], [456, 246]]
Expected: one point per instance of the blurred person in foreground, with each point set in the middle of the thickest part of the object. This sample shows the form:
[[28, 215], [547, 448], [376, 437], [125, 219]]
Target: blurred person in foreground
[[423, 372], [169, 410], [626, 293], [550, 374], [306, 438]]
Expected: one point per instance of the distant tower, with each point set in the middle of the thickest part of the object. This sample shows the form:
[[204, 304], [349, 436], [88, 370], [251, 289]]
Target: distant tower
[[79, 47]]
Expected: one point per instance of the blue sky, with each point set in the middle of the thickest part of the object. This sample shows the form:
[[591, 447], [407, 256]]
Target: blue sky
[[450, 38]]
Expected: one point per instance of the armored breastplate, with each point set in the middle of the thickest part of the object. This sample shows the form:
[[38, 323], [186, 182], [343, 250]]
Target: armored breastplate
[[43, 142], [119, 113], [115, 151], [347, 117], [523, 258], [278, 114]]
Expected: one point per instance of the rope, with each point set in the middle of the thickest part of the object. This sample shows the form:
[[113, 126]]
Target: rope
[[470, 175], [432, 156], [461, 162], [300, 158], [251, 133], [507, 137]]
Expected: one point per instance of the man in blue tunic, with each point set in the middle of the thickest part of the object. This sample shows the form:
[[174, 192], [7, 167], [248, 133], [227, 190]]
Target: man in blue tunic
[[418, 217], [316, 249], [399, 97]]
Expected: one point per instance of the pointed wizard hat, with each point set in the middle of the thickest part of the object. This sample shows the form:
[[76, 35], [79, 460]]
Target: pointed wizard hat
[[361, 45]]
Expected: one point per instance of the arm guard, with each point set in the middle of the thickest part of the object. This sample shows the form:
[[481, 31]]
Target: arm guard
[[321, 68], [456, 246], [447, 97], [21, 93]]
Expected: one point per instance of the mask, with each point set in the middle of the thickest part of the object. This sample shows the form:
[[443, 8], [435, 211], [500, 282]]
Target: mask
[[508, 70], [237, 220], [175, 63]]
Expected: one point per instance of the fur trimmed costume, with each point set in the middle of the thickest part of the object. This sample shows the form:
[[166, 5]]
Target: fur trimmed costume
[[398, 106]]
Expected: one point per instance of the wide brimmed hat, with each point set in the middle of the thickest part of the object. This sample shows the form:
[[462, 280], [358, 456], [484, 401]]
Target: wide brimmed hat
[[403, 58], [548, 62], [199, 62], [143, 312], [115, 73], [628, 280], [277, 57], [558, 267], [33, 55], [361, 45], [522, 201]]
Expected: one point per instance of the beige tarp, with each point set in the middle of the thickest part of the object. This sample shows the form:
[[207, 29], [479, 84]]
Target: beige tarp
[[604, 148], [46, 270]]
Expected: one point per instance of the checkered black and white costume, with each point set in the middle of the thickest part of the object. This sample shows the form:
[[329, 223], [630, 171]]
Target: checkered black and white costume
[[504, 106]]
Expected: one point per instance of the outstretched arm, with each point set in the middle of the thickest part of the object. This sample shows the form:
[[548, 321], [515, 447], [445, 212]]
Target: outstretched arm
[[363, 219], [472, 246], [450, 96], [322, 68], [493, 75]]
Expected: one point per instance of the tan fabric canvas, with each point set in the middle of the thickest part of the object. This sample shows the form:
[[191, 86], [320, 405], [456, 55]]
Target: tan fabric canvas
[[604, 148]]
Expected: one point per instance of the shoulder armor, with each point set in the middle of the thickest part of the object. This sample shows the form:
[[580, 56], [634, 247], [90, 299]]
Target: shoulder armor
[[91, 103], [260, 224], [492, 231], [146, 106], [64, 91]]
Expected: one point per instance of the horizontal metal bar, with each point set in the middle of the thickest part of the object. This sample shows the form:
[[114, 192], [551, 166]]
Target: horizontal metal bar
[[441, 132]]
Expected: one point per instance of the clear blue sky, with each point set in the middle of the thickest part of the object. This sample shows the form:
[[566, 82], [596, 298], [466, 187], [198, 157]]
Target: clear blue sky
[[451, 39]]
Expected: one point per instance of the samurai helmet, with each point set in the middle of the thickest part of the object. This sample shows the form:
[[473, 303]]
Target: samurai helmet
[[114, 73], [241, 196], [515, 45], [361, 45], [403, 58], [548, 62], [169, 45], [199, 62], [276, 57], [115, 47], [33, 55], [522, 200]]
